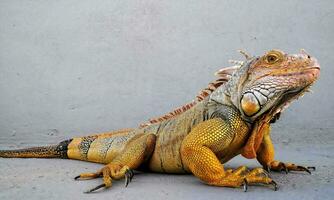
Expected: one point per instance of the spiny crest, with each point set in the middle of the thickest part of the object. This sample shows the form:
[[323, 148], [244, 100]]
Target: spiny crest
[[223, 75]]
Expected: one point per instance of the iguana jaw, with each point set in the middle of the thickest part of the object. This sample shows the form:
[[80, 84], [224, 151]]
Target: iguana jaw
[[287, 97], [286, 100]]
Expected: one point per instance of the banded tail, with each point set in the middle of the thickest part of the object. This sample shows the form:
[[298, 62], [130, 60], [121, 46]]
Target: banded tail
[[92, 148], [53, 151]]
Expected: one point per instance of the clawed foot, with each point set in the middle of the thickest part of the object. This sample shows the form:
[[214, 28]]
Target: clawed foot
[[258, 176], [286, 167], [273, 183], [109, 172], [242, 177]]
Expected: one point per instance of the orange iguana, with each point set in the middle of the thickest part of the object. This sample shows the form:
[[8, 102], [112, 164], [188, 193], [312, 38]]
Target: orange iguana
[[230, 117]]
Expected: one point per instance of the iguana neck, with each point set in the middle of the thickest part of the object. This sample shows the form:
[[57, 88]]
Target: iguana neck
[[229, 94]]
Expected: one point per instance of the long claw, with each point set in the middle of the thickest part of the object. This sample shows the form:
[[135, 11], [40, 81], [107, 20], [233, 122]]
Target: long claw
[[304, 168], [266, 173], [312, 168], [127, 179], [96, 188], [128, 175], [131, 174], [274, 184], [245, 185], [267, 168], [87, 176]]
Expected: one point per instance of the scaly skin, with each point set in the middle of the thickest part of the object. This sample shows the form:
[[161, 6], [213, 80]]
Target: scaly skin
[[230, 117]]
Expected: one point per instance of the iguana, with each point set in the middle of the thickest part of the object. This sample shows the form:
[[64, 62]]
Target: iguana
[[230, 117]]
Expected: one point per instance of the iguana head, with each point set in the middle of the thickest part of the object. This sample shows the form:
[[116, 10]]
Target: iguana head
[[267, 84]]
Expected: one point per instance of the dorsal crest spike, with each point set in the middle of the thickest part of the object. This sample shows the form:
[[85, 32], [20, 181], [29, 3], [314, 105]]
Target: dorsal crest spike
[[303, 51], [244, 53], [227, 71], [223, 75], [236, 62]]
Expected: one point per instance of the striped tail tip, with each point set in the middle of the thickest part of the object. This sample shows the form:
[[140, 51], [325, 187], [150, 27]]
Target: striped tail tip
[[54, 151]]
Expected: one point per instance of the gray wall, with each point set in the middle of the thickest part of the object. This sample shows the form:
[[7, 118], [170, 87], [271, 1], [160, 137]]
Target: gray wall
[[70, 68]]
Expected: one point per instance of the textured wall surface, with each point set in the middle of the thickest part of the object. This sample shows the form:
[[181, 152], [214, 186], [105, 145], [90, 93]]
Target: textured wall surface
[[70, 68]]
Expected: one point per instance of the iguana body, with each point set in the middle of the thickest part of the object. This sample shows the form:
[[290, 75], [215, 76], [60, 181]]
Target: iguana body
[[227, 120]]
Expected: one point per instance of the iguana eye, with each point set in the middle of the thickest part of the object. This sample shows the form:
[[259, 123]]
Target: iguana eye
[[273, 57]]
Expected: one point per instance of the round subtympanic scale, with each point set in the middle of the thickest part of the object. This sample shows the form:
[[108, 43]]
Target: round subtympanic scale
[[249, 104]]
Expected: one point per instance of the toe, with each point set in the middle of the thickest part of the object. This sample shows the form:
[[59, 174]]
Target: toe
[[96, 188], [87, 176]]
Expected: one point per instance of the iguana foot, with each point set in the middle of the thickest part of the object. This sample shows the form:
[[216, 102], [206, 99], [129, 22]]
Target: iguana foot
[[109, 172], [281, 166], [243, 177]]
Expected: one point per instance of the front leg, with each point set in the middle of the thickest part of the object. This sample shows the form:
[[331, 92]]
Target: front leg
[[266, 153], [198, 153]]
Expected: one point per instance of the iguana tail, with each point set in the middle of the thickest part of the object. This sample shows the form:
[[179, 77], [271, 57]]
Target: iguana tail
[[54, 151], [92, 148]]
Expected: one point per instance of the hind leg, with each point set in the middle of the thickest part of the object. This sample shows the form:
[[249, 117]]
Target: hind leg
[[137, 151]]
